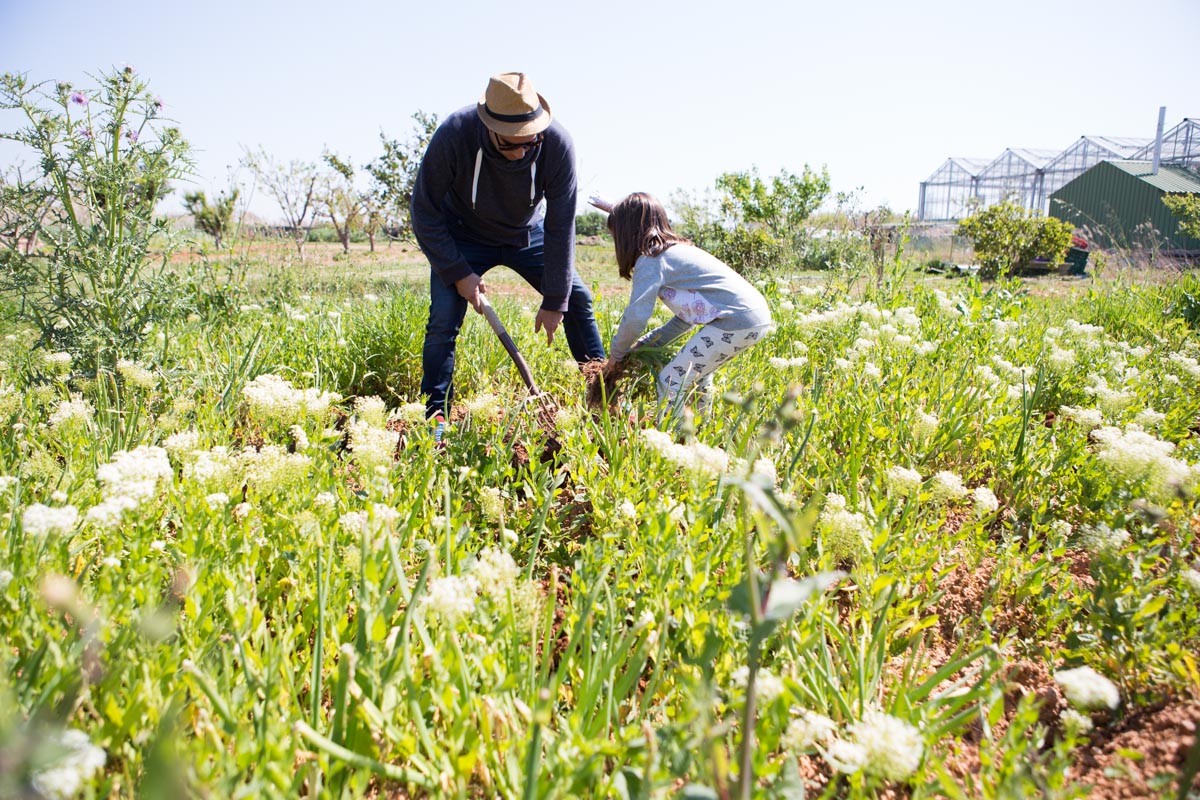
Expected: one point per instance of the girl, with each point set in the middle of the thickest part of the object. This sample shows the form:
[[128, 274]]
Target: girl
[[699, 288]]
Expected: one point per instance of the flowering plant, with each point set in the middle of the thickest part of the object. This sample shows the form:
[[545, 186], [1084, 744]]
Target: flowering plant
[[105, 160]]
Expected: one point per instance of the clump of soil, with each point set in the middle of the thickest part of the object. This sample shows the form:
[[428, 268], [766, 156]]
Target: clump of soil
[[1161, 735], [601, 387]]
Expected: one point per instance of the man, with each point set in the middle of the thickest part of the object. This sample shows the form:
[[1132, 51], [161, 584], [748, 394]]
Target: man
[[476, 204]]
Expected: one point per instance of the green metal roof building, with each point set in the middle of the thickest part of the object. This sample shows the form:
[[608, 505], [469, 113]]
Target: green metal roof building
[[1119, 204]]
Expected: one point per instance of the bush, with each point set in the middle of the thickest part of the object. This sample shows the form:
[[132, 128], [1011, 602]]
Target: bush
[[1006, 237], [750, 251], [591, 223], [105, 161]]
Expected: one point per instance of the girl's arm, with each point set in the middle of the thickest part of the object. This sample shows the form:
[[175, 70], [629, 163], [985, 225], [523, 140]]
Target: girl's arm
[[647, 279], [664, 334]]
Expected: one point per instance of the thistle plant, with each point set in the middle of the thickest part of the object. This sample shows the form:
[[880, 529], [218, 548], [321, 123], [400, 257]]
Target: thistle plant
[[105, 157]]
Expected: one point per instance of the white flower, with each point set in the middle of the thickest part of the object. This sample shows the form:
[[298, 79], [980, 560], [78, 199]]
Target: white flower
[[1060, 528], [892, 746], [6, 578], [696, 457], [135, 473], [372, 446], [767, 685], [925, 425], [763, 473], [451, 597], [1149, 418], [844, 534], [1087, 689], [77, 761], [808, 730], [299, 438], [7, 482], [844, 757], [627, 509], [1134, 456], [1191, 579], [270, 398], [136, 375], [485, 405], [271, 468], [216, 501], [946, 486], [788, 363], [182, 442], [1100, 538], [353, 522], [1075, 721], [57, 362], [109, 512], [985, 502], [72, 414], [903, 481], [325, 500], [42, 520], [371, 409], [494, 571], [413, 413], [1084, 417]]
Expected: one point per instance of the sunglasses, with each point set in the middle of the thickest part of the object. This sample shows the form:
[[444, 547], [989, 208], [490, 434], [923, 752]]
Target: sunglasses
[[534, 142]]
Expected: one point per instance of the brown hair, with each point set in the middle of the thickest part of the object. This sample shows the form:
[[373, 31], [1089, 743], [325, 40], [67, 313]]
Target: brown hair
[[640, 227]]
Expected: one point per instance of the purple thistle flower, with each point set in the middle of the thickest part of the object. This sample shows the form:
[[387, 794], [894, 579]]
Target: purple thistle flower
[[84, 132], [79, 98], [131, 135]]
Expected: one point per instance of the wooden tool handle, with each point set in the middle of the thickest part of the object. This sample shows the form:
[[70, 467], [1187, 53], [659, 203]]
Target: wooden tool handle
[[509, 345]]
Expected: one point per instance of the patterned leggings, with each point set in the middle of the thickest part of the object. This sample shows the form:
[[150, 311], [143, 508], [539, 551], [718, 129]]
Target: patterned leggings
[[690, 371]]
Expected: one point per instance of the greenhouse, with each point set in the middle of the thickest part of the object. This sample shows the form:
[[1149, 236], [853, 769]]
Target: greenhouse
[[1016, 174], [947, 193], [1077, 159], [1029, 176], [1180, 146]]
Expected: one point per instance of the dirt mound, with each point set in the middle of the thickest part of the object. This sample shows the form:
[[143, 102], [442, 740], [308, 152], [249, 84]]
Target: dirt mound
[[1142, 755]]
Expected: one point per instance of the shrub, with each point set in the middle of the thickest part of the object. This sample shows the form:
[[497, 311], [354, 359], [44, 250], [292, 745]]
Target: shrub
[[747, 250], [591, 223], [106, 159], [1005, 237]]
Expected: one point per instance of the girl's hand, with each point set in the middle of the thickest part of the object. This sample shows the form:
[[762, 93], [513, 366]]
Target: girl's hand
[[599, 202]]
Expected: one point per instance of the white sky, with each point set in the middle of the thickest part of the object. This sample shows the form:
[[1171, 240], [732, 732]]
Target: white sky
[[659, 96]]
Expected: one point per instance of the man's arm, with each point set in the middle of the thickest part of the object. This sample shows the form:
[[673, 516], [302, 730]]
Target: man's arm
[[561, 190], [434, 178]]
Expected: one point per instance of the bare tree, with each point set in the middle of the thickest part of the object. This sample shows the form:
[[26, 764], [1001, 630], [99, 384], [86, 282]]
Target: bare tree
[[293, 186]]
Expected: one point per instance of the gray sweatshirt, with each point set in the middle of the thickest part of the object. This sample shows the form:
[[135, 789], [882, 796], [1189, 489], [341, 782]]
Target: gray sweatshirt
[[467, 190], [701, 290]]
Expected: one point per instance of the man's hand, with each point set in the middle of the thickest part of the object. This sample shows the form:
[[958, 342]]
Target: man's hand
[[549, 320], [471, 288]]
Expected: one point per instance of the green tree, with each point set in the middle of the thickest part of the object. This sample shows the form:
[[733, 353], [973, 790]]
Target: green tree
[[394, 173], [343, 204], [106, 158], [214, 219], [781, 203], [1186, 207], [1006, 237], [591, 223]]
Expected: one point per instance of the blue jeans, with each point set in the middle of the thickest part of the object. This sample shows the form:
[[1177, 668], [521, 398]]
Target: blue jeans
[[447, 308]]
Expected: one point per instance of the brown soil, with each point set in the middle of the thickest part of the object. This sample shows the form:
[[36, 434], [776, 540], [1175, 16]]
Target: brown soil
[[1145, 748]]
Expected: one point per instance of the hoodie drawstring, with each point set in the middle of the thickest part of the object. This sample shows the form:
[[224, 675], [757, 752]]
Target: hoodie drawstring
[[479, 166]]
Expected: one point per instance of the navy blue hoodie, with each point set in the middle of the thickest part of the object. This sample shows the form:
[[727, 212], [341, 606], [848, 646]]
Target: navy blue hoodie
[[499, 205]]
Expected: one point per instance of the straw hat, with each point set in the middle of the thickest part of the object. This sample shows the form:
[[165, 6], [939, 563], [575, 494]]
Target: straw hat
[[511, 107]]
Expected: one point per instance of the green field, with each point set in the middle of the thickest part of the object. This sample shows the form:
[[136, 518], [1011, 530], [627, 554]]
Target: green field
[[240, 567]]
